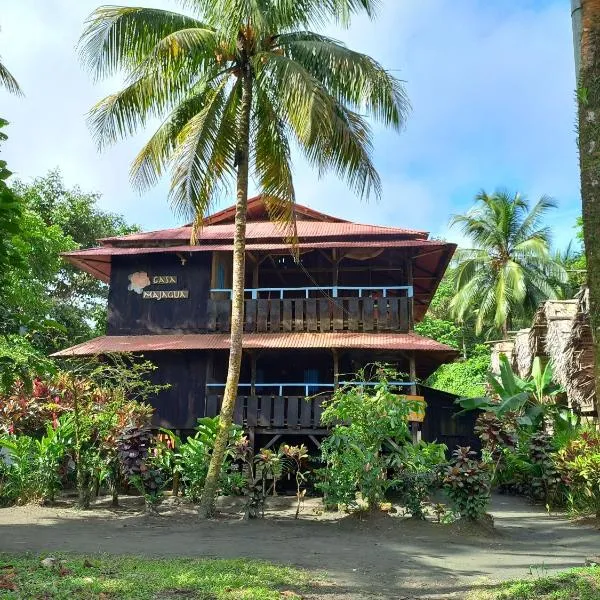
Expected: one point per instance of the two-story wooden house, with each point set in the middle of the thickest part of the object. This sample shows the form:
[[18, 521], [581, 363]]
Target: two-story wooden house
[[350, 301]]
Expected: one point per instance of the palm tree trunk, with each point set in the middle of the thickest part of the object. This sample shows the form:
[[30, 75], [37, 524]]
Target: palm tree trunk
[[588, 94], [207, 503]]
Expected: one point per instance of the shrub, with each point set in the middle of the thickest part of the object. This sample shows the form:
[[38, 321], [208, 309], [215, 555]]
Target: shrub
[[193, 458], [467, 483], [31, 469], [545, 479], [579, 465], [417, 473], [135, 448], [363, 418]]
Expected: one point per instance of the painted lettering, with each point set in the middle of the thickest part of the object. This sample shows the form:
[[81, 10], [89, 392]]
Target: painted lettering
[[164, 279], [165, 294]]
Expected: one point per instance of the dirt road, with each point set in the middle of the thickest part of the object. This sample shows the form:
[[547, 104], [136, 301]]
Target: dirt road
[[386, 557]]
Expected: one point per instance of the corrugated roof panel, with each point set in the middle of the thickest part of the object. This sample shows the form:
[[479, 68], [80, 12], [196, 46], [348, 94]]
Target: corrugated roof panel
[[220, 341], [268, 231]]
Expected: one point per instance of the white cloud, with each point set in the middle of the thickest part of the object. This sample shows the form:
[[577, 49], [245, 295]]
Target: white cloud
[[491, 84]]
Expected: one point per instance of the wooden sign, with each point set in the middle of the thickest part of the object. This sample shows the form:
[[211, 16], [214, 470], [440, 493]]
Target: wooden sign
[[164, 279], [416, 415], [140, 280], [165, 294]]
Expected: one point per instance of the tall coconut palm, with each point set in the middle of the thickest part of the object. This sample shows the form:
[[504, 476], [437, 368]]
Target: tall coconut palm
[[236, 84], [586, 34], [510, 269]]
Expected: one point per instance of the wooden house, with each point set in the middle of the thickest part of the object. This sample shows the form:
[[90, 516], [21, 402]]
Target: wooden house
[[351, 300]]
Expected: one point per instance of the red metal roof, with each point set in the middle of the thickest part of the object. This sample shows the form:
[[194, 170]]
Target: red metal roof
[[268, 231], [220, 341], [256, 211]]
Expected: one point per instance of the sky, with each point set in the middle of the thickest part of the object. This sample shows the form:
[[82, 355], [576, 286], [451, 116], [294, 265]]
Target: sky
[[491, 85]]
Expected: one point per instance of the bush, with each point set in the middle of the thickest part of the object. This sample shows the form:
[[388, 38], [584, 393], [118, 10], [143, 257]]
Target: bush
[[467, 483], [579, 465], [363, 418], [417, 473], [31, 469], [193, 458], [545, 480]]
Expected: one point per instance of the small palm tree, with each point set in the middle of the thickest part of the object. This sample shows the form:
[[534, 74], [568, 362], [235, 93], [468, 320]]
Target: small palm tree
[[510, 269], [236, 84]]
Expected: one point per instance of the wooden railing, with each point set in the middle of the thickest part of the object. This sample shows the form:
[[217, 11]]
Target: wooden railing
[[315, 314], [273, 413]]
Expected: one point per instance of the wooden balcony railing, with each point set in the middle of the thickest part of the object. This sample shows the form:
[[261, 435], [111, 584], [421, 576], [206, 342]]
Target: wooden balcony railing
[[384, 313], [275, 414], [282, 412]]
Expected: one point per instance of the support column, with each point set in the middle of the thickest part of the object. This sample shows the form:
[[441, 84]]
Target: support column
[[412, 373], [414, 426], [336, 368], [252, 373]]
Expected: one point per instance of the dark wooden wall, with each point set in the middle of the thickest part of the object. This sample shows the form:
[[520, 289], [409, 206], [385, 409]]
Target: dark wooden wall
[[442, 424], [131, 313], [179, 406]]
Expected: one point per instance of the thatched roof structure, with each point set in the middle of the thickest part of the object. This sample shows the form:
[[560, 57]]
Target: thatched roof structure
[[561, 333]]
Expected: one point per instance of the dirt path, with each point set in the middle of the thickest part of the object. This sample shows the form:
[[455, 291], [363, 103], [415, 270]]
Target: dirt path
[[386, 557]]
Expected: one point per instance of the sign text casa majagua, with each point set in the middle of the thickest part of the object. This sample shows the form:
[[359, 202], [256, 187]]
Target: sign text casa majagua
[[140, 280]]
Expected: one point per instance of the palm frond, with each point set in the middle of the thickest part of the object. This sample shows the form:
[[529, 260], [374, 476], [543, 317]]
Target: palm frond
[[331, 136], [205, 153], [355, 79], [121, 37], [272, 164], [8, 81], [151, 162]]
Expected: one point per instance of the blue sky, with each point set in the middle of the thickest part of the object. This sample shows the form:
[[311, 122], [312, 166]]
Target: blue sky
[[491, 83]]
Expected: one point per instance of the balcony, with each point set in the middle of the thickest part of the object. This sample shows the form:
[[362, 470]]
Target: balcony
[[316, 309], [291, 408]]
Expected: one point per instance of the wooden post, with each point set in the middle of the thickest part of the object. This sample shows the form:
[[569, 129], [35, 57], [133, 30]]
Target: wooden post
[[252, 374], [335, 266], [336, 368], [411, 301], [412, 373], [414, 426]]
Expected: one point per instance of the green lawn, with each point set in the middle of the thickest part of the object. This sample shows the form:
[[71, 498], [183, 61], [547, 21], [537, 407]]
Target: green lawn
[[576, 584], [105, 577]]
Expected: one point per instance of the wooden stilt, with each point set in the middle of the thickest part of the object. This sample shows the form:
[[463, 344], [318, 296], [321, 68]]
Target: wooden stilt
[[336, 368], [414, 426], [253, 374]]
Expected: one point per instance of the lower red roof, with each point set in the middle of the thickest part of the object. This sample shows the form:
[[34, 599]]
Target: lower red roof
[[220, 341]]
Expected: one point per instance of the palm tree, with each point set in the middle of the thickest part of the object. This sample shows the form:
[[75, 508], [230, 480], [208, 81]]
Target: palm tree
[[236, 84], [510, 269], [586, 34]]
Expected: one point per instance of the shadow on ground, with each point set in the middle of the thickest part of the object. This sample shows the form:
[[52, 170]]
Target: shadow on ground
[[385, 557]]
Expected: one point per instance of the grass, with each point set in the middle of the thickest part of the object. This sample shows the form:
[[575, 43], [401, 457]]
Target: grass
[[576, 584], [102, 577]]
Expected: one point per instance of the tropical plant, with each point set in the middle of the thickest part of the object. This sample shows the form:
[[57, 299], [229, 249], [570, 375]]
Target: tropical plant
[[135, 447], [363, 419], [33, 466], [297, 455], [579, 466], [417, 472], [238, 82], [510, 269], [532, 399], [545, 477], [193, 456], [467, 483]]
